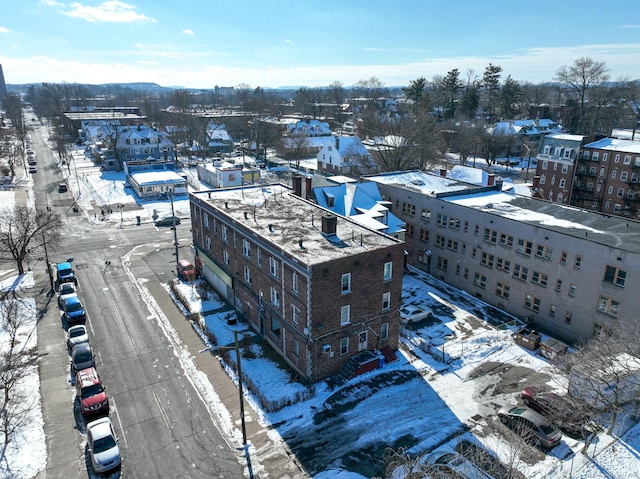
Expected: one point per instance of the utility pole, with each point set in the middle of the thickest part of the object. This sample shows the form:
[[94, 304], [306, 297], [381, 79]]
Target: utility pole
[[46, 258], [175, 232]]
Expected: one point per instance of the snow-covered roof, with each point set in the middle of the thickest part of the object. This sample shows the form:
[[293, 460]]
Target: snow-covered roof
[[285, 220], [566, 136], [425, 183], [614, 144], [157, 177]]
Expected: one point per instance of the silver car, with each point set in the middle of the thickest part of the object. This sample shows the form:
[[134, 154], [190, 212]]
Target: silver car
[[530, 425], [103, 445], [76, 335], [453, 461]]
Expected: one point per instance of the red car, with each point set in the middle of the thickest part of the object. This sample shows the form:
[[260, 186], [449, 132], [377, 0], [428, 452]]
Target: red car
[[560, 410]]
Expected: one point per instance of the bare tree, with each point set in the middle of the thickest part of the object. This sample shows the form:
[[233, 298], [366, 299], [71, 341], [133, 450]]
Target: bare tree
[[23, 230], [582, 76]]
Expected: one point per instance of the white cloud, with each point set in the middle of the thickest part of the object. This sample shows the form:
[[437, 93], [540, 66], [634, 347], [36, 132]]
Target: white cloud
[[4, 30], [187, 31], [288, 41], [109, 11]]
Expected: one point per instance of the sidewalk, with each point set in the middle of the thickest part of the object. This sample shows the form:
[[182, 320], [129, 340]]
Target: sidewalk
[[270, 457]]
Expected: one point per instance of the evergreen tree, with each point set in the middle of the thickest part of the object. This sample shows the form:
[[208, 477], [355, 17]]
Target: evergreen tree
[[491, 85]]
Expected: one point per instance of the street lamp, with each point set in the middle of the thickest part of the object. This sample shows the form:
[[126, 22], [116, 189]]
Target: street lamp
[[240, 393], [121, 207]]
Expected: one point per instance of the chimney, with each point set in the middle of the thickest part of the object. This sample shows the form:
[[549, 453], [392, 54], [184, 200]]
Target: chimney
[[297, 185], [329, 225], [536, 182], [443, 172], [491, 179], [307, 191]]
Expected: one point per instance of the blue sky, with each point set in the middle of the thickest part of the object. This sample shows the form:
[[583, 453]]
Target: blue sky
[[272, 43]]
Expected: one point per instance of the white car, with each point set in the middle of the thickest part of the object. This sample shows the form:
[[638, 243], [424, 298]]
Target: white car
[[455, 462], [76, 335], [103, 445], [65, 291], [412, 314]]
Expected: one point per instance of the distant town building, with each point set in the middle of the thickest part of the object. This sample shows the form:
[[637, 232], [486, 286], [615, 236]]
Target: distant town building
[[3, 85]]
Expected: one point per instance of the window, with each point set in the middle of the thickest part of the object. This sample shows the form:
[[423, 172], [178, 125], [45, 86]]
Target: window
[[388, 271], [545, 165], [524, 247], [532, 303], [563, 257], [565, 170], [502, 289], [344, 346], [424, 234], [384, 331], [540, 278], [595, 156], [617, 208], [506, 240], [454, 223], [345, 283], [206, 220], [480, 280], [207, 243], [544, 252], [567, 317], [259, 257], [294, 282], [452, 244], [624, 175], [487, 259], [409, 209], [503, 265], [275, 296], [552, 310], [296, 348], [409, 229], [246, 248], [561, 183], [615, 276], [578, 262], [572, 290], [275, 327], [443, 263], [425, 215], [627, 160], [247, 274], [225, 257], [440, 241], [225, 234], [610, 190], [520, 272], [274, 267], [345, 315], [295, 314], [585, 154], [558, 285], [490, 235], [442, 220], [386, 301], [620, 193], [608, 306]]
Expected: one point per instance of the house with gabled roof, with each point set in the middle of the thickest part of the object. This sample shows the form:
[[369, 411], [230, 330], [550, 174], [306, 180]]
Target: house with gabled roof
[[340, 156]]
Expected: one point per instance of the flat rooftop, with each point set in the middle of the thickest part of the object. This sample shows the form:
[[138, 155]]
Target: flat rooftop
[[293, 224], [613, 231]]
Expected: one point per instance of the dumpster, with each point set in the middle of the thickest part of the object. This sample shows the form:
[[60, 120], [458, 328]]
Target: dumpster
[[553, 349], [528, 338]]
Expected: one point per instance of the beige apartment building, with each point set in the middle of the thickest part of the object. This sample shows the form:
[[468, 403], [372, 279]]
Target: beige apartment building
[[568, 271]]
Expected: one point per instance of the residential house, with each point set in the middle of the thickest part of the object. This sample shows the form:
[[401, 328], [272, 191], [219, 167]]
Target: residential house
[[322, 290], [527, 134], [304, 139], [154, 179], [556, 167], [607, 177], [218, 139], [342, 155], [141, 142], [567, 271]]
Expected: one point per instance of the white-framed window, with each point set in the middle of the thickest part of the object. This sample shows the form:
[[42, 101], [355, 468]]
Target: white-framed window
[[524, 247], [561, 183], [247, 274], [274, 267], [206, 220], [345, 315], [532, 303], [246, 248], [627, 160], [577, 263], [344, 346], [215, 226], [615, 276], [620, 193], [345, 283], [295, 314], [275, 296], [572, 290], [388, 271], [294, 282], [384, 331], [565, 169], [207, 243], [624, 175], [225, 257], [386, 301], [259, 257]]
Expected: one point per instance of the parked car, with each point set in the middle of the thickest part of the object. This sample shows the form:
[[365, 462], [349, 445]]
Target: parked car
[[412, 314], [32, 169], [31, 162], [62, 188], [559, 410], [82, 357], [91, 393], [530, 425], [66, 290], [167, 221], [75, 335], [186, 271], [457, 463], [73, 311], [64, 273], [103, 445]]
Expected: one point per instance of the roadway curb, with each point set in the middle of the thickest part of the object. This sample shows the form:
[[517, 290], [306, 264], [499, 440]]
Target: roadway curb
[[275, 458]]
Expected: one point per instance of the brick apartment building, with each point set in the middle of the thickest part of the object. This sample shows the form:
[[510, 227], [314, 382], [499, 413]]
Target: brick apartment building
[[320, 288], [570, 272]]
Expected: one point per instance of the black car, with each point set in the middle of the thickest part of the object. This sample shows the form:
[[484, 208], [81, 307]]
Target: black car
[[168, 221]]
